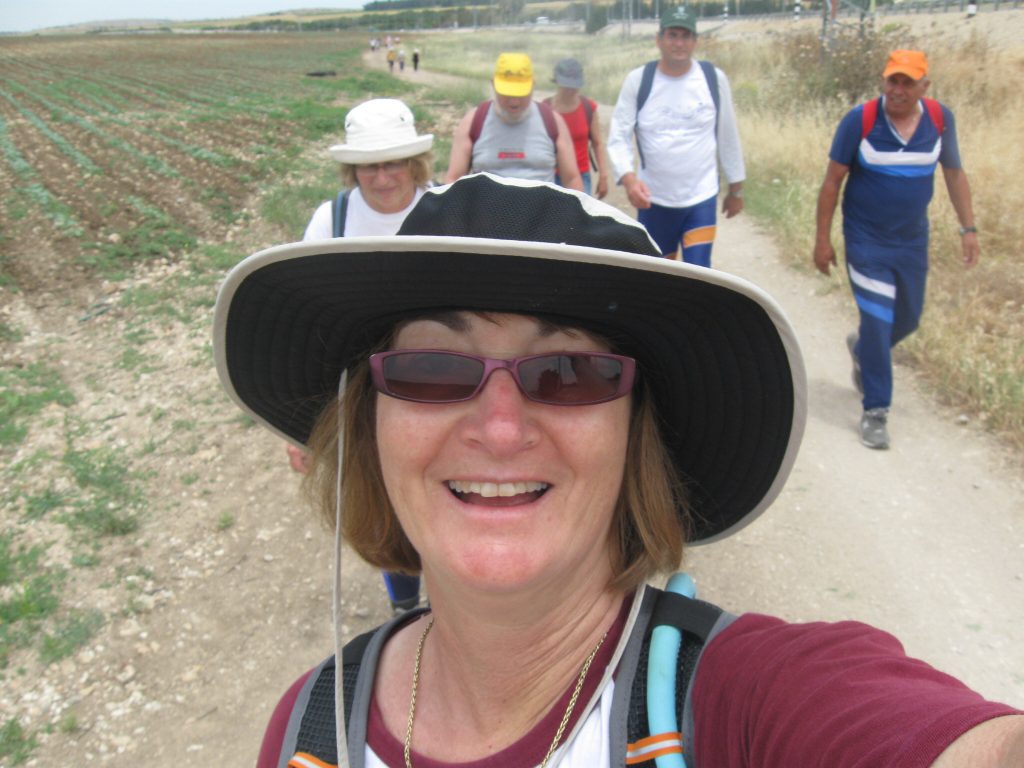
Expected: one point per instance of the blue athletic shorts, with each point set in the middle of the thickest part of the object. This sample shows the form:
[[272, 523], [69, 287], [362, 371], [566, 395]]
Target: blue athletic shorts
[[693, 227]]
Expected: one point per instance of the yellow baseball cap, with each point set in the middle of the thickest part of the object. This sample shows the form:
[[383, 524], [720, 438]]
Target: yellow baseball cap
[[513, 75]]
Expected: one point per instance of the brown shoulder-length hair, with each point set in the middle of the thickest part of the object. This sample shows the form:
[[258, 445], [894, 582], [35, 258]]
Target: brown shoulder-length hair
[[650, 523], [421, 167]]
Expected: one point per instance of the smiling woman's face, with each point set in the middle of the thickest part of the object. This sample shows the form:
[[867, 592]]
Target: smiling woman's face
[[500, 493]]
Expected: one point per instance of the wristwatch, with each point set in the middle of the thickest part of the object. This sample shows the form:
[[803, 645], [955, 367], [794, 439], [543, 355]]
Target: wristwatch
[[965, 230], [738, 193]]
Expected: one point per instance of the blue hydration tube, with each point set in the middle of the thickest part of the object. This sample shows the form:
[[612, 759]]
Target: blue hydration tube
[[663, 661]]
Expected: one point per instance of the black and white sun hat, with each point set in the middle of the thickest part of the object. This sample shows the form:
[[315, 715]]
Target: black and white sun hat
[[718, 353]]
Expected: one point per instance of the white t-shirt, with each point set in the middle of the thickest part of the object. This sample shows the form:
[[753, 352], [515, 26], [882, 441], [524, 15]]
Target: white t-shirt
[[360, 219], [676, 133]]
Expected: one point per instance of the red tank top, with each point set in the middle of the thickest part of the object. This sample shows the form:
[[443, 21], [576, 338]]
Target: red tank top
[[579, 129]]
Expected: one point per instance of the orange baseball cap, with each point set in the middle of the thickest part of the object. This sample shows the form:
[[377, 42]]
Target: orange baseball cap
[[910, 63], [513, 75]]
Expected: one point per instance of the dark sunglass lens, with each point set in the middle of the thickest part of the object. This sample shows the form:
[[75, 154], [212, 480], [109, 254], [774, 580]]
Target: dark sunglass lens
[[570, 378], [434, 377]]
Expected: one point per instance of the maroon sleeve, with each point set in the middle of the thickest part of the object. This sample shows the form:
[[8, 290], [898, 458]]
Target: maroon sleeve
[[829, 695], [273, 737]]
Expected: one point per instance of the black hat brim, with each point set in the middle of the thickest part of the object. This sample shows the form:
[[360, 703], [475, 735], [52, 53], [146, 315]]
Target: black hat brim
[[720, 356]]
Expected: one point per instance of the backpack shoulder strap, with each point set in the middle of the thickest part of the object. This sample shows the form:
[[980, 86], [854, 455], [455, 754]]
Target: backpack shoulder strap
[[935, 112], [646, 81], [697, 622], [316, 732], [338, 206], [311, 731], [547, 114], [868, 116], [711, 75], [478, 120]]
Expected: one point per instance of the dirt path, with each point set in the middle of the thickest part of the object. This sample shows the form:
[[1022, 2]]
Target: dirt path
[[925, 540]]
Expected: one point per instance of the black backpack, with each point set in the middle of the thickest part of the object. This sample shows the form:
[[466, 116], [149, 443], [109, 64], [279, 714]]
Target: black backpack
[[311, 728]]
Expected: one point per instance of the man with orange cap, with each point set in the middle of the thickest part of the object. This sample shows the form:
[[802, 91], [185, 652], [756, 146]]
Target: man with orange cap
[[889, 148], [514, 135]]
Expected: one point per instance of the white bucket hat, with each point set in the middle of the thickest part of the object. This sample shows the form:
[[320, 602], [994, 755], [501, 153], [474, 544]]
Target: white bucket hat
[[380, 130]]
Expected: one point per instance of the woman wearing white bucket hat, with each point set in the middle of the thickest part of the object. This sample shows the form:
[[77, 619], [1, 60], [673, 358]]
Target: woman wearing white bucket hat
[[513, 398], [385, 166]]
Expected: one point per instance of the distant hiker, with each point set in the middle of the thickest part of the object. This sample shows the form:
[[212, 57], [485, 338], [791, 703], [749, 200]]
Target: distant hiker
[[415, 59], [890, 147]]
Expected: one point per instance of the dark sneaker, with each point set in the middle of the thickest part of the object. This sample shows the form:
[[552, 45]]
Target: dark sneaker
[[851, 344], [873, 432]]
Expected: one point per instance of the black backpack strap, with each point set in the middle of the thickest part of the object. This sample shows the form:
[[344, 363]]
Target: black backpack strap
[[316, 733], [712, 77], [313, 714], [290, 740], [338, 206], [646, 82], [698, 622]]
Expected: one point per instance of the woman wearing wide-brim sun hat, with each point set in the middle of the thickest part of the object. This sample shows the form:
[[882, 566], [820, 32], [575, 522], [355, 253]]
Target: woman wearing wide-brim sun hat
[[518, 399], [385, 168]]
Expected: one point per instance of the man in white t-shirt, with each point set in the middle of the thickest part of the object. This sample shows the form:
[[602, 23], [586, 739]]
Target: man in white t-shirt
[[684, 122]]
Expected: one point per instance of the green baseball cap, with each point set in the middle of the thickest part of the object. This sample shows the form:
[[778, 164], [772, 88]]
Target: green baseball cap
[[679, 17]]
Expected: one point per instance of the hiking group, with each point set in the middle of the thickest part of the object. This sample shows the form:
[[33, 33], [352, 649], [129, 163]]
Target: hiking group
[[502, 388]]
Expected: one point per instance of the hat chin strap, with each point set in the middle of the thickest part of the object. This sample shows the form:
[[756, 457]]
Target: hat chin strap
[[341, 737]]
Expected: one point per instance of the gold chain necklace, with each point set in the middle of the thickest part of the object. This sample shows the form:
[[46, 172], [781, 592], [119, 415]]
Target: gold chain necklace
[[407, 751]]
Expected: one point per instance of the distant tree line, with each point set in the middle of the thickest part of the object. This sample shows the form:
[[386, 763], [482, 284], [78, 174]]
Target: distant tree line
[[434, 14]]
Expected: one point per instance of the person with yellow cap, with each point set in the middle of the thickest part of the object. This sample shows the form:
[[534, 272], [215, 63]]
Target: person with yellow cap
[[514, 135], [889, 147]]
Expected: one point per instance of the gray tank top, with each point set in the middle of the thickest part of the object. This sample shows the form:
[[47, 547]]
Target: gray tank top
[[522, 151]]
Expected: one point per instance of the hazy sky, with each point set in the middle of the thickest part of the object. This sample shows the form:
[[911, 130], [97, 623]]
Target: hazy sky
[[26, 15]]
